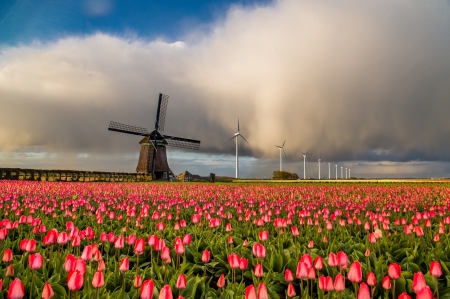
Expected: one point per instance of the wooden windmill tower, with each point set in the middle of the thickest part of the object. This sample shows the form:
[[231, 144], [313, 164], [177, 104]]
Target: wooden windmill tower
[[153, 155]]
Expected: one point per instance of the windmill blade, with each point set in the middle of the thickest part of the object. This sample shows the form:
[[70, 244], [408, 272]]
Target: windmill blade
[[233, 137], [182, 142], [284, 152], [122, 128], [243, 138], [161, 112], [284, 142], [238, 125]]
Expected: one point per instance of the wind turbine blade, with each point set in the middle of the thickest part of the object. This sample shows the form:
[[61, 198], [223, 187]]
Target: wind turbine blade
[[284, 152], [238, 125], [284, 142], [303, 153], [244, 138], [233, 137], [307, 153]]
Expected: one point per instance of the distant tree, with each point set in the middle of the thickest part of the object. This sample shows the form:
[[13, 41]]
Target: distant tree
[[284, 175]]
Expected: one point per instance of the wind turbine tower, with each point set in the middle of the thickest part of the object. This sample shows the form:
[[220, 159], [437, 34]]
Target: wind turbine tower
[[341, 173], [319, 167], [349, 173], [281, 148], [304, 164], [336, 171], [329, 170], [345, 172], [236, 135]]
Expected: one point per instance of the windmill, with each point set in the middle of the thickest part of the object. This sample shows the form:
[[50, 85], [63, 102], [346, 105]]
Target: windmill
[[319, 166], [153, 156], [281, 149], [304, 164], [237, 151]]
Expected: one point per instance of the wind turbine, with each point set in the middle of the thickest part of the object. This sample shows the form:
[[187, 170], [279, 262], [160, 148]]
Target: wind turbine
[[281, 149], [329, 170], [349, 173], [341, 173], [304, 164], [345, 172], [237, 151], [319, 166], [336, 171]]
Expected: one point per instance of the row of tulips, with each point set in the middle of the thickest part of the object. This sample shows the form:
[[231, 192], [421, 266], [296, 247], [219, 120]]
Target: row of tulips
[[70, 240]]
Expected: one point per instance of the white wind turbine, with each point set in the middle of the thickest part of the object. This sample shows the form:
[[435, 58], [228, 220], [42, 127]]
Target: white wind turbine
[[329, 170], [341, 173], [281, 148], [349, 173], [304, 164], [319, 166], [237, 151], [336, 171], [345, 172]]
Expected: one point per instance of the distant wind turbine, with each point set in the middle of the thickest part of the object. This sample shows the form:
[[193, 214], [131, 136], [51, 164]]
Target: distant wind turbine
[[329, 170], [349, 173], [237, 151], [345, 172], [319, 166], [304, 164], [281, 148], [341, 173], [336, 171]]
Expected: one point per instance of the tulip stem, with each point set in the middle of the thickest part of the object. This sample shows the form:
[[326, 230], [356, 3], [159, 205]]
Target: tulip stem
[[393, 290], [301, 286], [437, 288], [137, 265], [96, 293], [123, 285], [32, 284]]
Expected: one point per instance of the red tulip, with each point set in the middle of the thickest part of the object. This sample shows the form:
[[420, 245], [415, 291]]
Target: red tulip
[[131, 239], [16, 290], [243, 263], [137, 282], [87, 253], [47, 291], [30, 246], [250, 292], [165, 253], [101, 265], [312, 274], [329, 284], [425, 293], [124, 264], [258, 270], [181, 281], [179, 248], [35, 261], [355, 272], [394, 271], [418, 282], [371, 279], [372, 238], [404, 295], [295, 231], [342, 259], [228, 227], [288, 276], [152, 240], [233, 260], [69, 263], [386, 283], [139, 246], [263, 235], [9, 271], [98, 280], [302, 270], [364, 292], [80, 266], [318, 263], [221, 281], [435, 269], [206, 256], [119, 243], [262, 291], [339, 283], [259, 250], [419, 231], [187, 239], [166, 292], [332, 260], [147, 289], [75, 280], [291, 290], [7, 256]]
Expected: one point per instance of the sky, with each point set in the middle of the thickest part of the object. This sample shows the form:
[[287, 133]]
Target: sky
[[360, 84]]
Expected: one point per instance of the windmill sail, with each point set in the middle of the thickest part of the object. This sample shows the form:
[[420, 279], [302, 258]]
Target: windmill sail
[[122, 128], [161, 112]]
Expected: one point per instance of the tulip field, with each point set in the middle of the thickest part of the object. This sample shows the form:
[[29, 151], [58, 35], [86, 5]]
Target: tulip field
[[129, 240]]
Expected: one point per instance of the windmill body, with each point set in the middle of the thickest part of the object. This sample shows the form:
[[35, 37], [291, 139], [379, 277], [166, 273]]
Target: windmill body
[[237, 135], [336, 171], [304, 164], [153, 156], [281, 148]]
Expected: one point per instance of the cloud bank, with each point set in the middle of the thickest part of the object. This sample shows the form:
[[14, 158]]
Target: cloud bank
[[361, 81]]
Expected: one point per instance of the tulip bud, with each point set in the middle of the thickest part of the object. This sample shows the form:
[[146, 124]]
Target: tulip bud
[[291, 290], [250, 292], [243, 263], [339, 283], [258, 270], [386, 283], [35, 261], [181, 282], [16, 289], [435, 269], [288, 276], [206, 256], [75, 280], [9, 271], [221, 281], [262, 291], [7, 256], [124, 264], [166, 292], [98, 280], [355, 272], [139, 246], [364, 292], [371, 279], [47, 291], [147, 289], [418, 282]]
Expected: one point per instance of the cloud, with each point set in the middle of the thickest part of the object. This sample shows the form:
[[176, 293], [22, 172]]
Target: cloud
[[361, 81]]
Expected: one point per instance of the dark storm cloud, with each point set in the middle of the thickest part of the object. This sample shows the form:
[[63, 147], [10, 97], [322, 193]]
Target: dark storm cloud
[[348, 81]]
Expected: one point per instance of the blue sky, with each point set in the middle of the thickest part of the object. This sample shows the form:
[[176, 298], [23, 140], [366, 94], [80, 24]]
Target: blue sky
[[361, 84], [23, 21]]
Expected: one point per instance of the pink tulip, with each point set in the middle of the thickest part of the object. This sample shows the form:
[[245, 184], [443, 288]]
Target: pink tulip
[[146, 291], [47, 291], [166, 292], [16, 290]]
